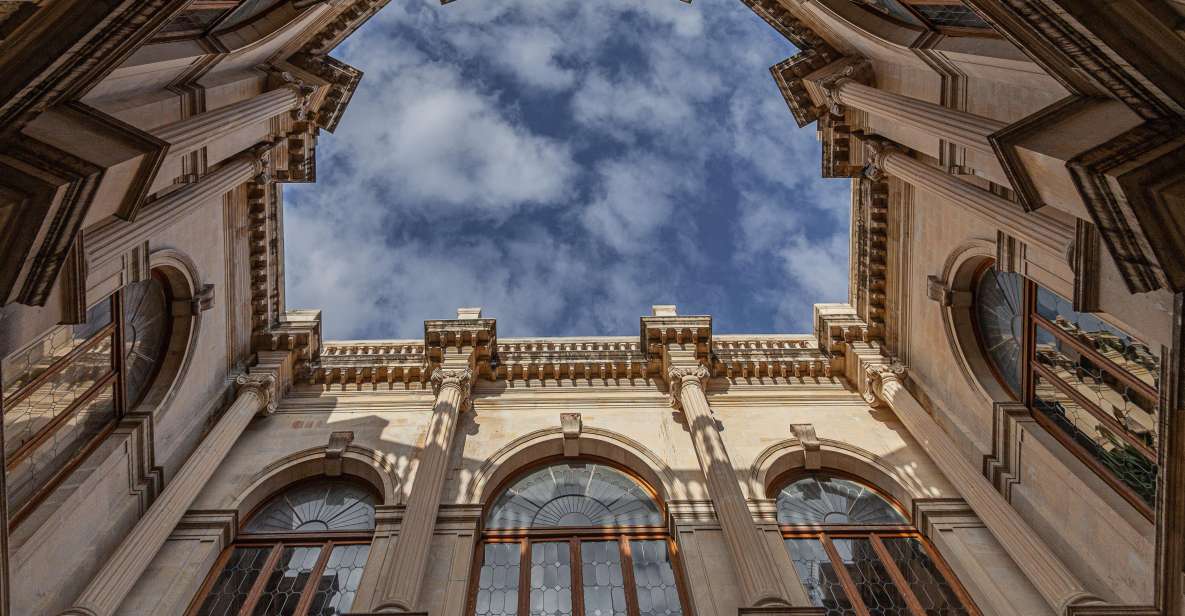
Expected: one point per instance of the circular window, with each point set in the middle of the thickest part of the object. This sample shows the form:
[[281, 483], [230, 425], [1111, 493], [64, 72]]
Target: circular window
[[999, 322], [146, 322]]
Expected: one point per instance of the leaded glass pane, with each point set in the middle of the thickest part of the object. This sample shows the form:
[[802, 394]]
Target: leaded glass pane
[[892, 8], [247, 11], [230, 590], [654, 579], [872, 581], [339, 580], [820, 499], [551, 579], [146, 332], [1123, 459], [951, 16], [573, 494], [35, 467], [281, 592], [191, 21], [497, 582], [999, 316], [929, 586], [604, 586], [24, 366], [316, 507], [819, 578], [1120, 348]]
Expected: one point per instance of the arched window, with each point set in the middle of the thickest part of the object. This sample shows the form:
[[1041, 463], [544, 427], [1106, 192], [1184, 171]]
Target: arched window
[[299, 554], [1091, 385], [576, 539], [67, 390], [950, 17], [207, 16], [856, 553]]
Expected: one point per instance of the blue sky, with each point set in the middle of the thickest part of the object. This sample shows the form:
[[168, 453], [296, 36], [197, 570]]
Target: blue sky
[[566, 164]]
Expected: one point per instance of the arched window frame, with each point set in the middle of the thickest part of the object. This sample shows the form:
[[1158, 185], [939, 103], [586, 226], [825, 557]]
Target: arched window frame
[[922, 14], [572, 537], [208, 17], [275, 543], [1043, 338], [875, 534], [99, 406]]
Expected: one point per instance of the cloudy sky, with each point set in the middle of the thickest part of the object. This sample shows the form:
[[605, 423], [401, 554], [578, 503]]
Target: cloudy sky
[[566, 164]]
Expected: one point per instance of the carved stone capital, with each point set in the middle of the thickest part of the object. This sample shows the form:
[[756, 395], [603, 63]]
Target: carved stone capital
[[461, 379], [878, 151], [264, 384], [680, 378], [875, 377]]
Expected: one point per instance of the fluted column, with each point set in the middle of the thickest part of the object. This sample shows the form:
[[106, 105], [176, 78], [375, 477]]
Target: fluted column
[[1040, 565], [756, 570], [966, 129], [195, 132], [1035, 228], [107, 589], [403, 569]]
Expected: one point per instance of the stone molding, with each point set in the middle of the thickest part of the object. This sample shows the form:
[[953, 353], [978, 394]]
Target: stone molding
[[264, 385], [442, 378], [680, 379]]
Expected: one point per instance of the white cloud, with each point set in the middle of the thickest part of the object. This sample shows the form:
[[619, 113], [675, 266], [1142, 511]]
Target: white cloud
[[635, 195]]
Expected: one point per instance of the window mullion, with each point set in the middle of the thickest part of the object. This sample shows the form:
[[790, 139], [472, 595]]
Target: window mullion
[[577, 570], [117, 356], [524, 577], [1098, 358], [310, 587], [845, 580], [627, 577], [898, 578], [1095, 411], [261, 580]]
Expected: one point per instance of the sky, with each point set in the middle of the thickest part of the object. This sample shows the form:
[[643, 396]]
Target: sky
[[565, 165]]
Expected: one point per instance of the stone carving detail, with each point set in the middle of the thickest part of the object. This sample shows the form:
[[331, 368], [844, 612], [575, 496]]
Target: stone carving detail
[[264, 384], [338, 442], [805, 433], [937, 290], [875, 376], [461, 379], [679, 378], [571, 425]]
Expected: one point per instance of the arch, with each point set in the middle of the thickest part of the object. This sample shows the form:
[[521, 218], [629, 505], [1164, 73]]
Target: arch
[[362, 463], [180, 275], [784, 457], [533, 447]]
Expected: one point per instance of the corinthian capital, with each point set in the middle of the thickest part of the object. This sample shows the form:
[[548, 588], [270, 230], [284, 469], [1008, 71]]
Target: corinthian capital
[[875, 377], [878, 150], [461, 379], [263, 384], [680, 378]]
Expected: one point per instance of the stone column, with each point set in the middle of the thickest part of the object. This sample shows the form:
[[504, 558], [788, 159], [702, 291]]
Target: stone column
[[195, 132], [1036, 228], [403, 568], [966, 129], [256, 394], [1057, 584], [756, 569]]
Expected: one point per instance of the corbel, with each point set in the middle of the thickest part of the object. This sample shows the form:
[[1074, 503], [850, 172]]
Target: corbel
[[812, 457], [338, 442], [572, 425], [201, 301], [938, 290]]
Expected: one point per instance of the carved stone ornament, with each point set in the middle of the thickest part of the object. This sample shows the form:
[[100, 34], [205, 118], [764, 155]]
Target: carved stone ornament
[[830, 84], [461, 379], [264, 384], [875, 376], [877, 152], [678, 378]]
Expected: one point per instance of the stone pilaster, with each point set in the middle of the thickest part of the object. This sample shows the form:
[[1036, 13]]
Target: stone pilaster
[[256, 394], [195, 132], [1056, 583]]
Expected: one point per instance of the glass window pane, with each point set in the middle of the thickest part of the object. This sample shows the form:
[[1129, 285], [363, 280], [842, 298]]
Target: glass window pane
[[192, 20], [818, 576], [497, 582], [281, 592], [1126, 461], [819, 499], [951, 16], [654, 579], [68, 440], [892, 8], [876, 588], [247, 11], [1130, 408], [234, 582], [999, 318], [339, 580], [604, 586], [315, 507], [574, 494], [146, 334], [1109, 341], [551, 579], [21, 368], [925, 580]]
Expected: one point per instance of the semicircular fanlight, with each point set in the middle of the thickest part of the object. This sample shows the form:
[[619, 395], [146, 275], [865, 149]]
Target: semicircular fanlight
[[999, 316], [821, 499], [574, 494], [146, 334], [316, 507]]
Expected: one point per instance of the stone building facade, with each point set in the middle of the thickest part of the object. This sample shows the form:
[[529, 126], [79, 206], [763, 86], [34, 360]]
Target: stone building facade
[[990, 425]]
